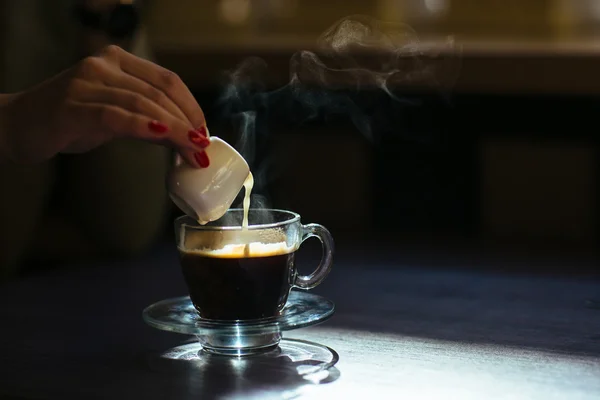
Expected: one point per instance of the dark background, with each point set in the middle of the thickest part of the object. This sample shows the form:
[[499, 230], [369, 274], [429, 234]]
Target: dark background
[[502, 160]]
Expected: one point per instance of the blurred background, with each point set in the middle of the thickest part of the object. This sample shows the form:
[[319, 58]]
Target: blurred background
[[500, 156]]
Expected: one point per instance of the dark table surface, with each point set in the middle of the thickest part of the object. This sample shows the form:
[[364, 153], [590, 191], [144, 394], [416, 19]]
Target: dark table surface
[[402, 328]]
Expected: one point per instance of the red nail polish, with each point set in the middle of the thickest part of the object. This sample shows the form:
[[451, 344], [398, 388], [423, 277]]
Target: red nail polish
[[202, 131], [204, 143], [195, 138], [158, 127], [202, 159]]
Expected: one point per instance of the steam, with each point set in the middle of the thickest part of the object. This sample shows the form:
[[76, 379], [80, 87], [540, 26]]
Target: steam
[[353, 73]]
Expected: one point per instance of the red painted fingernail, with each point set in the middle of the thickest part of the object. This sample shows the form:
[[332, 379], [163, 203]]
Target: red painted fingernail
[[158, 127], [202, 159], [204, 143], [196, 138], [202, 131]]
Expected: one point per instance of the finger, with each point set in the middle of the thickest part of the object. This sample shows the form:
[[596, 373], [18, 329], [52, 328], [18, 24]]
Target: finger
[[119, 122], [129, 100], [131, 83], [102, 69], [196, 158], [166, 81], [161, 121]]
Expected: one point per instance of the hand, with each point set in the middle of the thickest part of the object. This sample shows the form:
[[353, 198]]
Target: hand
[[111, 95]]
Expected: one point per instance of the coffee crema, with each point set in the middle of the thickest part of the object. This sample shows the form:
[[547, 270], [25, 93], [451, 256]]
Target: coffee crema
[[250, 250]]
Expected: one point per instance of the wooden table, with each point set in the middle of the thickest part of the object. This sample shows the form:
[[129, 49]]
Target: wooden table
[[403, 329]]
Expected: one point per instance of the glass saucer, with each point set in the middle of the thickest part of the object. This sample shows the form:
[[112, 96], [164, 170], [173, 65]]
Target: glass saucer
[[239, 337]]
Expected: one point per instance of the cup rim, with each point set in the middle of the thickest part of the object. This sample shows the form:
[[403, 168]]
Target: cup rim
[[294, 217]]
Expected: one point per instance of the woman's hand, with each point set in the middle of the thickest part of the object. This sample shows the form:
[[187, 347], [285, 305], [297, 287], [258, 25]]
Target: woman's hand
[[111, 95]]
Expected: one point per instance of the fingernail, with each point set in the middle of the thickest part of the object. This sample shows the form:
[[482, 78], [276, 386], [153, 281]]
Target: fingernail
[[158, 127], [202, 131], [202, 159], [196, 138]]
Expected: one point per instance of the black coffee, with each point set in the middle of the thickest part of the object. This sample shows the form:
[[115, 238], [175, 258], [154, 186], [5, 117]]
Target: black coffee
[[233, 287]]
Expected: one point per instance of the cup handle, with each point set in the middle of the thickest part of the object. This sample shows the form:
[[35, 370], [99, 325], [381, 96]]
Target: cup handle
[[318, 275]]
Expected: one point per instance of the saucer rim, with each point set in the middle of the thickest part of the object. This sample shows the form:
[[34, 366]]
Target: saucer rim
[[249, 327]]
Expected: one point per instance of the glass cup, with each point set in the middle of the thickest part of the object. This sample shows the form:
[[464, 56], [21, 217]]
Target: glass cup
[[246, 274]]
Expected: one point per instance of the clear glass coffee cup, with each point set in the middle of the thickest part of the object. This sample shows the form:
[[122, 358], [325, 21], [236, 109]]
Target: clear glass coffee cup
[[236, 274]]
